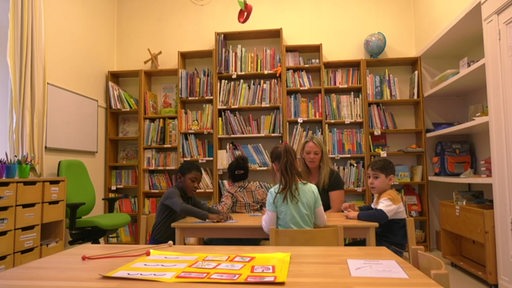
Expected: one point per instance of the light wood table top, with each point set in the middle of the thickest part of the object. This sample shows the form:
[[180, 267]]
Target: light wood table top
[[249, 226], [324, 267]]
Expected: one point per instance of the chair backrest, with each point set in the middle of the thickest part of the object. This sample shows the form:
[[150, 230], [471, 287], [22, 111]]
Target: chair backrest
[[324, 236], [433, 267], [411, 233], [79, 185]]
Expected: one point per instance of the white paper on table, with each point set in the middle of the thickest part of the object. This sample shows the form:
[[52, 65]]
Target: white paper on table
[[375, 268]]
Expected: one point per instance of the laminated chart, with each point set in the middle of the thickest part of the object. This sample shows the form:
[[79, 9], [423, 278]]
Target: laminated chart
[[199, 267]]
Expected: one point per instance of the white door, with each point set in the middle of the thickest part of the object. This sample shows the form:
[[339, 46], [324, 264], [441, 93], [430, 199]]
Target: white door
[[498, 51]]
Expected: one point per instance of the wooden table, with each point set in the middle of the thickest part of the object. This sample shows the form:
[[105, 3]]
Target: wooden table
[[249, 226], [324, 267]]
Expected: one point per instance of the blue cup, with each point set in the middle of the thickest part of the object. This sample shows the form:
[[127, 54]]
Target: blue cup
[[11, 170]]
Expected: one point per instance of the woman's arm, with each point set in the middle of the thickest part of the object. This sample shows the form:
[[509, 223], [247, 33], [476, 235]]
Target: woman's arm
[[336, 199], [269, 220], [320, 217]]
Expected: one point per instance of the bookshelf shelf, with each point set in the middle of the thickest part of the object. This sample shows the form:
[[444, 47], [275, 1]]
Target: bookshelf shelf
[[395, 120], [461, 180], [477, 125]]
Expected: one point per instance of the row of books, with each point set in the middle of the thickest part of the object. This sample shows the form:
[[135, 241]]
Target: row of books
[[151, 205], [156, 158], [344, 107], [196, 148], [195, 83], [293, 58], [238, 59], [158, 180], [299, 79], [126, 234], [257, 155], [304, 106], [382, 87], [407, 173], [124, 177], [301, 132], [193, 120], [249, 93], [165, 103], [345, 141], [161, 132], [352, 174], [236, 124], [127, 205], [207, 180], [120, 99], [342, 77], [380, 118]]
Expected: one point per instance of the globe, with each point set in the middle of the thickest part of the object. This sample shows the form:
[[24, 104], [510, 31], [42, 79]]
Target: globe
[[374, 44]]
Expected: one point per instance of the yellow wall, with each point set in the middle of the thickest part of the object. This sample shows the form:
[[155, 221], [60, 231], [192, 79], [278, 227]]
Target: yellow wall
[[340, 25], [86, 38], [80, 49], [434, 16]]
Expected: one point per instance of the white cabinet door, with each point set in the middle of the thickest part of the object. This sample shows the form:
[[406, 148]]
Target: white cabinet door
[[498, 50]]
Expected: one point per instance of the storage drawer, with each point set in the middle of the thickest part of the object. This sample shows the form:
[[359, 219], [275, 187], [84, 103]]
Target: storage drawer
[[6, 242], [28, 215], [466, 221], [6, 262], [54, 190], [29, 192], [6, 218], [53, 211], [47, 250], [26, 256], [27, 238], [7, 194]]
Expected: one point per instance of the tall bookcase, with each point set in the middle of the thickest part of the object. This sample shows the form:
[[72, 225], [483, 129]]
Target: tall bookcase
[[249, 98], [196, 116], [159, 154], [394, 120], [344, 124], [304, 102], [456, 93], [122, 151]]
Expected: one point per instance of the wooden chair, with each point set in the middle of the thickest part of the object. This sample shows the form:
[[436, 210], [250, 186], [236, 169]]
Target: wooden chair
[[325, 236], [411, 237], [430, 265]]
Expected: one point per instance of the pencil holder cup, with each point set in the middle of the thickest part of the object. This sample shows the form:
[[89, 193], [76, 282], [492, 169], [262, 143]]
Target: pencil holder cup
[[11, 170], [2, 170], [23, 171]]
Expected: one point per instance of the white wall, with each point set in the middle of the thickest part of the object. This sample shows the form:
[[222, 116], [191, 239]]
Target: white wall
[[433, 17]]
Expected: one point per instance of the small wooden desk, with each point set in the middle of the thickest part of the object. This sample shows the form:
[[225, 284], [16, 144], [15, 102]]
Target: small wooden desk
[[248, 226], [309, 267]]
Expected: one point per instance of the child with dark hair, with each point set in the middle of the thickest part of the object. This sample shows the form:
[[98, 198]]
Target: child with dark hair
[[387, 208], [242, 196], [293, 202], [179, 202]]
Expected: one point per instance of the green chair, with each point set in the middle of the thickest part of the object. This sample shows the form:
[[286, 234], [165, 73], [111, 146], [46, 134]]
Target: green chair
[[80, 200]]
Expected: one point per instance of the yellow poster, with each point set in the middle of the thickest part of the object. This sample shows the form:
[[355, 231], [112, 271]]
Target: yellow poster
[[228, 268]]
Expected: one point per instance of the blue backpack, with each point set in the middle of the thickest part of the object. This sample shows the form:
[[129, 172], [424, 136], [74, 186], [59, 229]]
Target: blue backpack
[[452, 158]]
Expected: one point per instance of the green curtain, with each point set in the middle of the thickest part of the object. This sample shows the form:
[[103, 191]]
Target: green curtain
[[26, 60]]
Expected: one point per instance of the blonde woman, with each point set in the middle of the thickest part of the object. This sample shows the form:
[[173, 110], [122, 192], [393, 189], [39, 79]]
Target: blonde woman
[[316, 167]]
